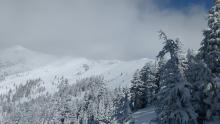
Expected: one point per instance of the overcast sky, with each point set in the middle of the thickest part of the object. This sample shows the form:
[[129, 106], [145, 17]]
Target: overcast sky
[[100, 29]]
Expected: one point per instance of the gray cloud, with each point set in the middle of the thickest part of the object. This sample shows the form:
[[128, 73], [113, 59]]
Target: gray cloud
[[103, 29]]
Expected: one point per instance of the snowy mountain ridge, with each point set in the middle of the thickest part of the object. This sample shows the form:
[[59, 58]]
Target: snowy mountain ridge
[[20, 65], [18, 59]]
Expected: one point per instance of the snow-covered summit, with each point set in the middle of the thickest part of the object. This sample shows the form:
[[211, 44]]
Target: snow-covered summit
[[17, 52], [18, 59]]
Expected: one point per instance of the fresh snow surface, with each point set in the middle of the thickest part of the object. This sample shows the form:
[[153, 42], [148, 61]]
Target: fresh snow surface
[[145, 116], [215, 121], [148, 115], [31, 65]]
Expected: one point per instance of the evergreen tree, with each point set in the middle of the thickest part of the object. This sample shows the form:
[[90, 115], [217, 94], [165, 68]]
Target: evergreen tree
[[209, 53], [148, 75], [137, 90], [197, 73], [122, 112], [143, 87], [174, 96], [210, 46]]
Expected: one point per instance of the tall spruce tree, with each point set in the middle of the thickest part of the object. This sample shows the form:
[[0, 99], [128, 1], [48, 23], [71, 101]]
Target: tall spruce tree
[[174, 96], [197, 73], [209, 53], [210, 46]]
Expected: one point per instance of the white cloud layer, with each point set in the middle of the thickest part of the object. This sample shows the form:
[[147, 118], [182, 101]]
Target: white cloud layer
[[103, 29]]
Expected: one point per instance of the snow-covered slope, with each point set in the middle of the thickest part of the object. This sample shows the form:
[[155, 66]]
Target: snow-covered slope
[[145, 116], [148, 116], [29, 65]]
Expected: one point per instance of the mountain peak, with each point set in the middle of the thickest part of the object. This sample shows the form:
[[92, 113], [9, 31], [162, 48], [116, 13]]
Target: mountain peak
[[19, 52]]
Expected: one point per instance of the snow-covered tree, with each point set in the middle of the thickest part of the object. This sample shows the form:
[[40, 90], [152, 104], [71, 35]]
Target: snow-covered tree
[[149, 76], [122, 111], [197, 73], [143, 87], [138, 96], [174, 97], [210, 46], [209, 53]]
